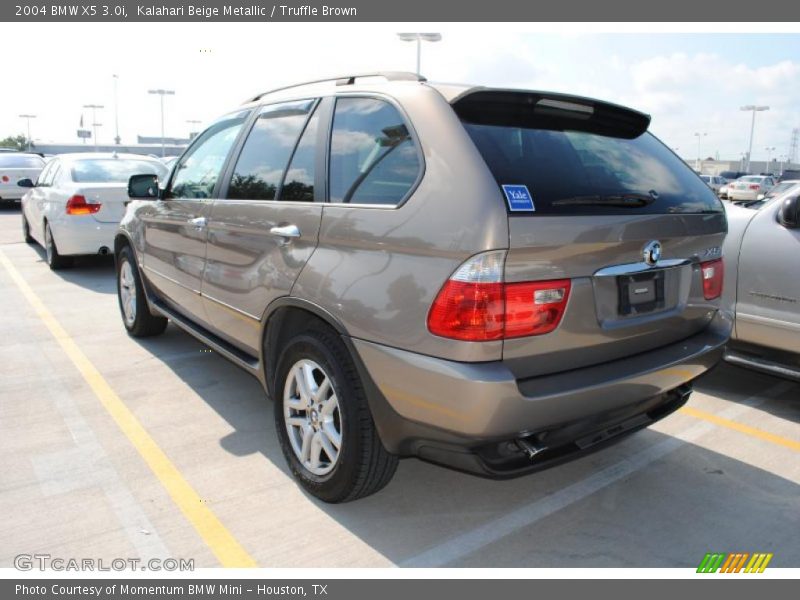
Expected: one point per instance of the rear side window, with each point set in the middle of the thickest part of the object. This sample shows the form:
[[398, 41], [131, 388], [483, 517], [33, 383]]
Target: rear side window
[[266, 153], [13, 161], [574, 163], [373, 158], [298, 183]]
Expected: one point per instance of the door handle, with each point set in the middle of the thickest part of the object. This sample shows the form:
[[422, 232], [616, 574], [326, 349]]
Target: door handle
[[198, 222], [287, 231]]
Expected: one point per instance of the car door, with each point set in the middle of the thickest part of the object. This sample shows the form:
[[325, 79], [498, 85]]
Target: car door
[[768, 289], [35, 203], [263, 231], [175, 229]]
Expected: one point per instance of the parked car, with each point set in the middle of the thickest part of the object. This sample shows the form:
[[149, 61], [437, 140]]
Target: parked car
[[730, 177], [763, 284], [777, 190], [77, 202], [715, 182], [788, 174], [13, 167], [493, 280], [750, 187]]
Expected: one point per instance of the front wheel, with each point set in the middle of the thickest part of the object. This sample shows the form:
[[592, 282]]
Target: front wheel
[[26, 230], [136, 314], [324, 424]]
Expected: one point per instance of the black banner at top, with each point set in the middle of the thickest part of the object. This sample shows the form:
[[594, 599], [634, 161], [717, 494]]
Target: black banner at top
[[711, 11]]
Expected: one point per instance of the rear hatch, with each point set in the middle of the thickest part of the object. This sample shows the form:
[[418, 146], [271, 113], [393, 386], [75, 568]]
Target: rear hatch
[[592, 197]]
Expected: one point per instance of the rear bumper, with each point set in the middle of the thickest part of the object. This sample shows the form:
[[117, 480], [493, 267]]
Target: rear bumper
[[9, 194], [744, 194], [82, 234], [462, 414]]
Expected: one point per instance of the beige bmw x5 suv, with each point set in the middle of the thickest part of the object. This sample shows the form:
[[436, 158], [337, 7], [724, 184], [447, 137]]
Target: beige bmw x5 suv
[[493, 280]]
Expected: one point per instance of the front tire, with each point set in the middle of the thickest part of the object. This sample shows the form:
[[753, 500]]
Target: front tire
[[133, 307], [26, 230], [54, 260], [324, 424]]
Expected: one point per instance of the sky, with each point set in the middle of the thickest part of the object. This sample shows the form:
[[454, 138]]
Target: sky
[[689, 82]]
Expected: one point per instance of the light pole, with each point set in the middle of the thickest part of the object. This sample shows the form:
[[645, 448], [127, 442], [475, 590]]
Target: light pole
[[770, 150], [699, 136], [161, 93], [117, 139], [419, 38], [28, 119], [192, 122], [95, 124], [754, 109]]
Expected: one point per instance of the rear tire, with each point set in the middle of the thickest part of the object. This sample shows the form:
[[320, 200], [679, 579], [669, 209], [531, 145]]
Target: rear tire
[[303, 415], [26, 230], [133, 307], [54, 260]]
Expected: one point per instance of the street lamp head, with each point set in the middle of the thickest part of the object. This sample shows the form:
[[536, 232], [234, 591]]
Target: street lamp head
[[425, 37], [161, 92], [753, 107]]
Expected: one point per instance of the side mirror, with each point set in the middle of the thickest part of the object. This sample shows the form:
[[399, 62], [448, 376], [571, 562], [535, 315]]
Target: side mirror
[[143, 187], [789, 213], [25, 183]]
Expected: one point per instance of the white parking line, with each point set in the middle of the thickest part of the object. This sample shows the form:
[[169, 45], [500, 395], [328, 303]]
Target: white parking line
[[488, 533]]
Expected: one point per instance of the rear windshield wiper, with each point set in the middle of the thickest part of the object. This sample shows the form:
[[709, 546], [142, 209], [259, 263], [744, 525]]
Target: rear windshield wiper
[[616, 200]]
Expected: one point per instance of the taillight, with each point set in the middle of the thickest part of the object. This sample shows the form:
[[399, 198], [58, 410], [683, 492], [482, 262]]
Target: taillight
[[535, 307], [77, 205], [754, 186], [5, 178], [475, 305], [713, 273]]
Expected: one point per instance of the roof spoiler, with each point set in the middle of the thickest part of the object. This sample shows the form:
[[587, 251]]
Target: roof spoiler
[[546, 110]]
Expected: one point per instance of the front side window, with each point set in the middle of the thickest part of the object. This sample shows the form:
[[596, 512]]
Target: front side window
[[198, 171], [373, 159], [266, 153]]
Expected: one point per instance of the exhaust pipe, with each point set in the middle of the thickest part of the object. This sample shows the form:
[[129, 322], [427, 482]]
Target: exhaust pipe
[[103, 251], [529, 448]]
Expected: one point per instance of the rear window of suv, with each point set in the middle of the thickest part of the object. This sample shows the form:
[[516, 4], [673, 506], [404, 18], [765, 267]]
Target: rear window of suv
[[573, 172], [591, 163]]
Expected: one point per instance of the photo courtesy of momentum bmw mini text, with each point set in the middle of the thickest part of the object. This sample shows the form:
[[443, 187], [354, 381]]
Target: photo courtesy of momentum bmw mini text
[[375, 299]]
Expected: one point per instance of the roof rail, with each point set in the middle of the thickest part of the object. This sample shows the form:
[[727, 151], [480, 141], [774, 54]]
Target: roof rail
[[347, 80]]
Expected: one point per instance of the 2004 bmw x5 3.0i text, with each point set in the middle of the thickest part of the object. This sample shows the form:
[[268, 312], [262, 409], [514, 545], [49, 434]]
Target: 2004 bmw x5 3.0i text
[[493, 280]]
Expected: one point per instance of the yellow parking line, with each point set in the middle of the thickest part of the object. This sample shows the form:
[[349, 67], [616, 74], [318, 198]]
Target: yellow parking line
[[219, 540], [741, 428]]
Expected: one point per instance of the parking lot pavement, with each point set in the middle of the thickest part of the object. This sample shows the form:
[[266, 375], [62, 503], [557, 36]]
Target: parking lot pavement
[[79, 481]]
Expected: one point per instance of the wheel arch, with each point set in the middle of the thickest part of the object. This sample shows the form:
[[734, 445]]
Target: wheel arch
[[288, 315]]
